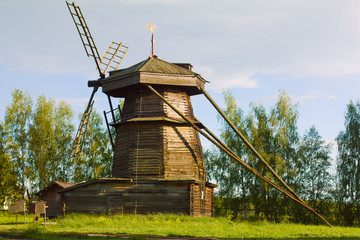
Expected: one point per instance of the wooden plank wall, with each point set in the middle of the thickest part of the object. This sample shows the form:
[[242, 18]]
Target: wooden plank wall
[[52, 200], [209, 202], [138, 152], [180, 152], [141, 102], [180, 100], [157, 149], [202, 200], [140, 198]]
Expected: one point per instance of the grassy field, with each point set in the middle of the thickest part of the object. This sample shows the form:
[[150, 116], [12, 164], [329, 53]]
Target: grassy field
[[166, 225]]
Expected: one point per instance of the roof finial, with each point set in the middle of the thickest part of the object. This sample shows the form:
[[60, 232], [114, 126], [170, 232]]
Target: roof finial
[[152, 28]]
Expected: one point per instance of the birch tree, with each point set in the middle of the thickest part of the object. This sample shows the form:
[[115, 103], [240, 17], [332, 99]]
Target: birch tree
[[348, 165], [16, 122]]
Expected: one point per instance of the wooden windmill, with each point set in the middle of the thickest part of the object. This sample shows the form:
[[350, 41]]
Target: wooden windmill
[[158, 163]]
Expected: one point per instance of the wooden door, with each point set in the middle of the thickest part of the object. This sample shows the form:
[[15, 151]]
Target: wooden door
[[115, 204]]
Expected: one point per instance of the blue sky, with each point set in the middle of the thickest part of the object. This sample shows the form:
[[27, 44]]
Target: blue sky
[[310, 49]]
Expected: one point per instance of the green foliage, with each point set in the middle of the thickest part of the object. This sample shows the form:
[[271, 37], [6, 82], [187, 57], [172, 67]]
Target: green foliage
[[50, 139], [42, 142], [234, 181], [303, 162], [17, 120], [314, 162], [274, 135], [36, 142], [348, 166], [63, 131], [95, 161], [9, 189]]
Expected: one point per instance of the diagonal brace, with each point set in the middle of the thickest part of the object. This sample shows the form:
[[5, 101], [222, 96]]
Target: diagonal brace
[[238, 159]]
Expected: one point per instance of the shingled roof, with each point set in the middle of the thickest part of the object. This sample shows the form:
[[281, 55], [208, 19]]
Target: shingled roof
[[152, 71], [155, 65]]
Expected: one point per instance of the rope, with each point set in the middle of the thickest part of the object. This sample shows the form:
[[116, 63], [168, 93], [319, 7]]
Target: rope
[[137, 152]]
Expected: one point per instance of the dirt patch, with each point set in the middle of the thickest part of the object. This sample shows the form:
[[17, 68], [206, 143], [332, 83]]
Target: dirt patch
[[73, 234], [7, 236]]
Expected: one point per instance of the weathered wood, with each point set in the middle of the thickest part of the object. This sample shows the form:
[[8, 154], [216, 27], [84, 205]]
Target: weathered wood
[[157, 149], [153, 71], [158, 163], [114, 197], [52, 198]]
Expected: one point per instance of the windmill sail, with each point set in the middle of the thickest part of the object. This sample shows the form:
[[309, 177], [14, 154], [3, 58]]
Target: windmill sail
[[84, 32]]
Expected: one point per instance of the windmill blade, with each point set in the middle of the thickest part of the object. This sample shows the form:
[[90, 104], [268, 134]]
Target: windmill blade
[[113, 57], [81, 132], [85, 35]]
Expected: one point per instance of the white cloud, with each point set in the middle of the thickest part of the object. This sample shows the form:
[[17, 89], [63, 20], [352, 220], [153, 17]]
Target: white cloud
[[75, 102], [305, 98], [317, 38], [311, 96], [240, 81], [332, 97], [79, 102]]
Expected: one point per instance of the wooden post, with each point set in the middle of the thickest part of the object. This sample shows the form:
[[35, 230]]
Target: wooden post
[[24, 215], [45, 219]]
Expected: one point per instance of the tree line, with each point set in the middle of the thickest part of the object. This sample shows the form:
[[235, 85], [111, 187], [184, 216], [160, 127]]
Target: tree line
[[36, 138], [303, 161]]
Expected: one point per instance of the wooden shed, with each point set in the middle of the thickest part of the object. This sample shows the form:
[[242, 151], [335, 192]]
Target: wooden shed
[[119, 195], [52, 198]]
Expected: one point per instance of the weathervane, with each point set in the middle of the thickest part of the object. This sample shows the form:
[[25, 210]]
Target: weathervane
[[152, 28]]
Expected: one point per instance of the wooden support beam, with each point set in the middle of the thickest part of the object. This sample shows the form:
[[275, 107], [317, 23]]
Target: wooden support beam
[[228, 151], [248, 144]]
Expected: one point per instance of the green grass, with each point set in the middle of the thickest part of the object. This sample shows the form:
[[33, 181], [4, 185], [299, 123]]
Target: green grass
[[170, 225]]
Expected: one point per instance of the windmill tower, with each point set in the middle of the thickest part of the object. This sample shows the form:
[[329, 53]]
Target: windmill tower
[[158, 163], [154, 145]]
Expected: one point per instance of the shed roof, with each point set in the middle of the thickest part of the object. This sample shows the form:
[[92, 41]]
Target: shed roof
[[99, 180], [64, 184], [56, 183], [179, 179]]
